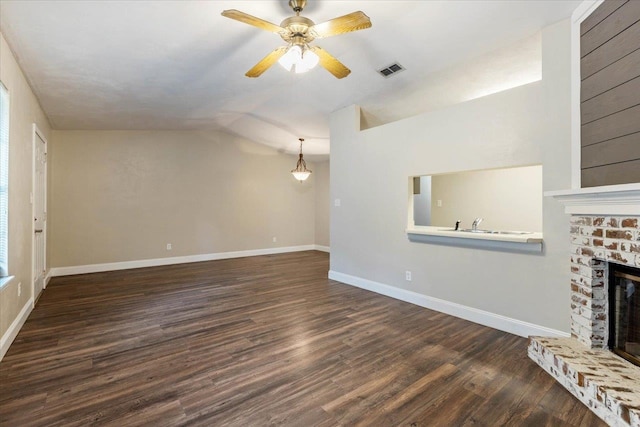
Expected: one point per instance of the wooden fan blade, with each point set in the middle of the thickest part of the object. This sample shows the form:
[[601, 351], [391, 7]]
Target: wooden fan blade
[[352, 22], [266, 62], [331, 64], [252, 20]]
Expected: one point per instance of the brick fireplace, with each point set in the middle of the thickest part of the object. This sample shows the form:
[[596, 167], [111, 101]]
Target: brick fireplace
[[582, 363], [595, 241]]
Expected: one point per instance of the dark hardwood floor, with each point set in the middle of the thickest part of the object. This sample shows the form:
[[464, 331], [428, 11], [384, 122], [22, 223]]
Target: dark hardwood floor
[[263, 341]]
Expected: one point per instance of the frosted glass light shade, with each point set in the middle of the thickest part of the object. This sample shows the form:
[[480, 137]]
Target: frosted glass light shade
[[302, 175], [291, 57], [298, 60], [308, 60]]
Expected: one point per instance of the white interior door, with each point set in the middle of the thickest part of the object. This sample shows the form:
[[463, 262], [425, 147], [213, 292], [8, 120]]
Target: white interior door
[[39, 212]]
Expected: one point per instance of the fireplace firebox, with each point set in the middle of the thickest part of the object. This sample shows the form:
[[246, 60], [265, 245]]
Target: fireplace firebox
[[624, 309]]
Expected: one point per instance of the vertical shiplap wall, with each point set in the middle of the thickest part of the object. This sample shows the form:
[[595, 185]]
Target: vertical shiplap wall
[[610, 94]]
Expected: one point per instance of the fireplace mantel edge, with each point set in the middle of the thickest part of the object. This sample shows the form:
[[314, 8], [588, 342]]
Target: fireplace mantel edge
[[607, 200]]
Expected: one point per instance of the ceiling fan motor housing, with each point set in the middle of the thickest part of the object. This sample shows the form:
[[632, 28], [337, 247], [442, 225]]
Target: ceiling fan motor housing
[[297, 26]]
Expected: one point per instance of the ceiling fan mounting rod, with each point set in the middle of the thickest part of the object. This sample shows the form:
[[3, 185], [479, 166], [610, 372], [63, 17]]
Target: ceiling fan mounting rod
[[297, 5]]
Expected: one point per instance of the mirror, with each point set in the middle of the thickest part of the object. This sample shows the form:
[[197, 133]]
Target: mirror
[[506, 199]]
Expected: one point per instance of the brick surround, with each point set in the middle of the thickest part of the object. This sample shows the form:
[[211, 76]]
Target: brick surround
[[596, 240]]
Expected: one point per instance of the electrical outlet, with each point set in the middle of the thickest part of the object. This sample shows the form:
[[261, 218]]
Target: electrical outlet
[[275, 239], [168, 246], [19, 289], [439, 203], [407, 275], [336, 202]]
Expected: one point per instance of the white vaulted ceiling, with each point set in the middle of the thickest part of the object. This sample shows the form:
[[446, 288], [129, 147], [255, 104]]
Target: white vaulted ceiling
[[180, 64]]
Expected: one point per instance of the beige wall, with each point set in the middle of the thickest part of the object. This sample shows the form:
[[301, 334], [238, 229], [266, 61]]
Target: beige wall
[[24, 111], [321, 173], [522, 126], [123, 195], [506, 199]]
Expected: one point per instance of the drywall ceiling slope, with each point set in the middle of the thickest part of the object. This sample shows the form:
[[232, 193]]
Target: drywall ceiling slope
[[181, 65]]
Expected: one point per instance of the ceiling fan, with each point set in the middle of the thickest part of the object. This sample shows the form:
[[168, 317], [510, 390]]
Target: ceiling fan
[[298, 32]]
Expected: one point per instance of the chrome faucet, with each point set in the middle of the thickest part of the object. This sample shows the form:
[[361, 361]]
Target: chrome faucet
[[476, 222]]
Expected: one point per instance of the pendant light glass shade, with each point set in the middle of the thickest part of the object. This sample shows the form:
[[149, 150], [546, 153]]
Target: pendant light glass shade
[[301, 172], [301, 176], [299, 59]]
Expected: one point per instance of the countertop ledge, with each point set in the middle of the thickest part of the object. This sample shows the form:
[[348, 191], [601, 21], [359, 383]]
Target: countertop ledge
[[442, 232]]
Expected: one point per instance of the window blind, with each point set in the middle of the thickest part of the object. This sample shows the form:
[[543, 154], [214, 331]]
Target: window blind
[[4, 180]]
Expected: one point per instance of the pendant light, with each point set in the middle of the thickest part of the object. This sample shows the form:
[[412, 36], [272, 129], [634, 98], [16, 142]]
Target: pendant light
[[301, 172]]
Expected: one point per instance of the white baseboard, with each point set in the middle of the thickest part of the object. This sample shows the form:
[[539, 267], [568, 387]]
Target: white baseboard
[[15, 327], [125, 265], [322, 248], [492, 320]]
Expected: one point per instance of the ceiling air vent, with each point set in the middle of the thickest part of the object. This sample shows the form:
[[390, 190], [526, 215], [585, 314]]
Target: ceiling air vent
[[391, 69]]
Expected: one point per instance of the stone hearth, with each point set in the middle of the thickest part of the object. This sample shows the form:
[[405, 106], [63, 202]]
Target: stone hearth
[[606, 383]]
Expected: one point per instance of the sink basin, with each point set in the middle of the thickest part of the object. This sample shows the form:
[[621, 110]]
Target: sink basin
[[480, 231], [468, 230], [514, 232]]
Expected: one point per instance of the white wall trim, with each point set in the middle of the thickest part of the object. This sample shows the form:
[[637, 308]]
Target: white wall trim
[[585, 9], [623, 199], [37, 133], [47, 277], [15, 327], [125, 265], [322, 248], [492, 320]]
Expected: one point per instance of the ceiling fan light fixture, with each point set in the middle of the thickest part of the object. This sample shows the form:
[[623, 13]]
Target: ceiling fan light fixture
[[301, 173], [298, 31], [299, 59]]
